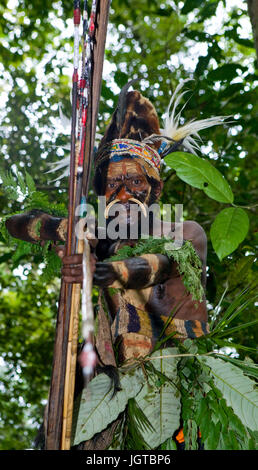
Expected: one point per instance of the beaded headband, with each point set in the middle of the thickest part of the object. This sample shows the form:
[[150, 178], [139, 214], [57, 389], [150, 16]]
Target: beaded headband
[[119, 148]]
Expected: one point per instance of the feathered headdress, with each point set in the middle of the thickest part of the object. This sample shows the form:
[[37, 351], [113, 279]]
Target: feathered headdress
[[134, 132], [188, 134]]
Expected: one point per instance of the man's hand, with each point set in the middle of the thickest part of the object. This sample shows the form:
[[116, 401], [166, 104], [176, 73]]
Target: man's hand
[[103, 273], [72, 269], [72, 265]]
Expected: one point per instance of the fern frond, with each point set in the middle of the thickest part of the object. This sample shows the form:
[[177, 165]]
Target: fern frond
[[22, 183], [30, 183], [15, 186], [10, 185], [136, 423], [53, 266]]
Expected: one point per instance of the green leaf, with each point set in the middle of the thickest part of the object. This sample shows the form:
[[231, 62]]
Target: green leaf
[[229, 344], [190, 435], [190, 5], [230, 331], [208, 10], [169, 444], [95, 408], [30, 182], [228, 230], [202, 64], [237, 389], [201, 409], [161, 405], [136, 423], [211, 443], [21, 183], [240, 303], [236, 425], [121, 78], [226, 72], [241, 270], [205, 422], [200, 174], [248, 367], [233, 34], [223, 417]]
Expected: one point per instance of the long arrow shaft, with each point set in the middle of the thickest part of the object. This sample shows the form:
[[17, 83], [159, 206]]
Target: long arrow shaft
[[64, 362]]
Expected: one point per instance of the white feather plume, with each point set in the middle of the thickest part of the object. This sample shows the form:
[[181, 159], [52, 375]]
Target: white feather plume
[[64, 163], [56, 166], [189, 132]]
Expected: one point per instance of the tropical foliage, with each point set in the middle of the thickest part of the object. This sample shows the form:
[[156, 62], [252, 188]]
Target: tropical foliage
[[207, 393], [163, 43]]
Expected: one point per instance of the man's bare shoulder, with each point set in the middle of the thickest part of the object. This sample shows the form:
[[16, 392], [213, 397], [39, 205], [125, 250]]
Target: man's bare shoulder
[[191, 231]]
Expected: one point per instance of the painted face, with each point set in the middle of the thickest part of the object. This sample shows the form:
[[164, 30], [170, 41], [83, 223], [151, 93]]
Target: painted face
[[126, 179], [127, 184]]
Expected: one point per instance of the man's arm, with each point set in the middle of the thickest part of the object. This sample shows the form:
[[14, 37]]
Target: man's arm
[[138, 272], [36, 225], [133, 273], [149, 269]]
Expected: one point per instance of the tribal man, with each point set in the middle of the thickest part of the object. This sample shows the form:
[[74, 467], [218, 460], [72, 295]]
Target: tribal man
[[141, 292], [127, 172]]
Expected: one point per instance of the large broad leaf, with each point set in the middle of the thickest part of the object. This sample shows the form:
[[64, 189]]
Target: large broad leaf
[[200, 174], [228, 230], [161, 403], [237, 389], [95, 408]]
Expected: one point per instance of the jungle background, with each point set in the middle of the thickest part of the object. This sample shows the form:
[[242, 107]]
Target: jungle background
[[211, 42]]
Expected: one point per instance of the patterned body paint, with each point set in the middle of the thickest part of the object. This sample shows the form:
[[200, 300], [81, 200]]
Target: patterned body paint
[[150, 289], [151, 293]]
